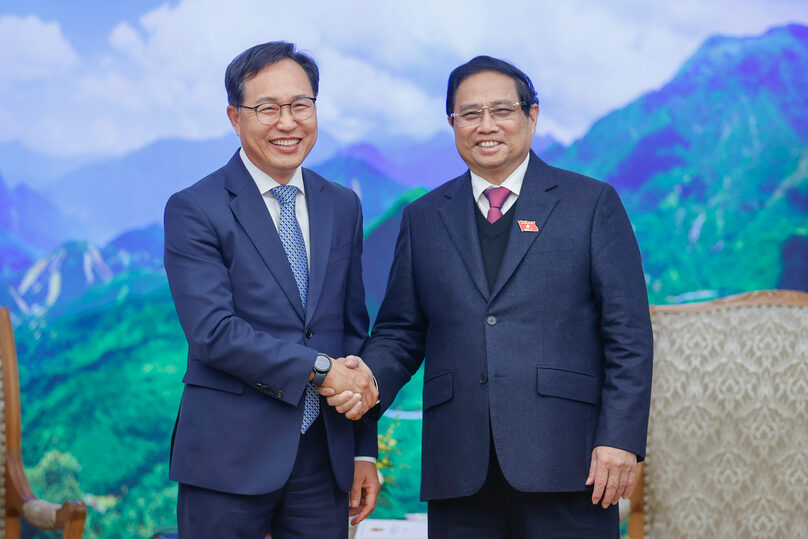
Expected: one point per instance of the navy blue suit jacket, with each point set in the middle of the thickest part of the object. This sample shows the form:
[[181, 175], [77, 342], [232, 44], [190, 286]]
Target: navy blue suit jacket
[[556, 358], [250, 346]]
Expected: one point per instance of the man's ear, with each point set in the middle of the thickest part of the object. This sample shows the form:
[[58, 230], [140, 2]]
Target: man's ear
[[235, 118], [533, 117]]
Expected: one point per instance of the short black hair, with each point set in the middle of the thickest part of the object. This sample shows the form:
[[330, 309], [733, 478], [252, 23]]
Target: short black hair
[[247, 64], [478, 64]]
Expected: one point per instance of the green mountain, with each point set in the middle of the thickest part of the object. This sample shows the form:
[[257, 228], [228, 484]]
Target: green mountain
[[103, 388], [713, 168], [375, 189], [77, 276]]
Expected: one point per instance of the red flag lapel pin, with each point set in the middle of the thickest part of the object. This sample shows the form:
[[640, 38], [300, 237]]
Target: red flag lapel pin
[[528, 226]]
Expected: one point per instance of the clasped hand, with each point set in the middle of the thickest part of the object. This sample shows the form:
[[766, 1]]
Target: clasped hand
[[350, 387]]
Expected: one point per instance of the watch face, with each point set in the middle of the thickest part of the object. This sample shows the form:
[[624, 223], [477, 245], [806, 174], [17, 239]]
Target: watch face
[[322, 363]]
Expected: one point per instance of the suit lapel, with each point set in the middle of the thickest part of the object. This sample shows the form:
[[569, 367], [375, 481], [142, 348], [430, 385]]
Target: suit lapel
[[250, 210], [458, 216], [535, 203], [321, 228]]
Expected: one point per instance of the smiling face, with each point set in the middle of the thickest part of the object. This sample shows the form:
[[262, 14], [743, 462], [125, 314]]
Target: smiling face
[[280, 148], [492, 149]]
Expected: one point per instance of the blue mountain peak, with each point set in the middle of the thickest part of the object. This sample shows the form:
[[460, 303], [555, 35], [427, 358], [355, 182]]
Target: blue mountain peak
[[755, 62]]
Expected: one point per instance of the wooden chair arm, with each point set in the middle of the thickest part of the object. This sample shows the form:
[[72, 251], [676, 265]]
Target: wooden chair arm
[[636, 517], [20, 498], [22, 502], [18, 489], [70, 519]]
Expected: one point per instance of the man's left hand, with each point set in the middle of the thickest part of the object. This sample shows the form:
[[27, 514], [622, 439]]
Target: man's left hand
[[612, 473], [365, 490]]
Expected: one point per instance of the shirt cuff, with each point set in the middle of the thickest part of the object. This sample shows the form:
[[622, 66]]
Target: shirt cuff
[[365, 459], [377, 387]]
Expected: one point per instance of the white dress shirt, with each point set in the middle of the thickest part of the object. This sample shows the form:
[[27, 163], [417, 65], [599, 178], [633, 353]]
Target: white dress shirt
[[512, 182]]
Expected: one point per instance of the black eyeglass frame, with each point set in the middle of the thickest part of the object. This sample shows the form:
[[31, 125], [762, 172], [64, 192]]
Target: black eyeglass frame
[[280, 109]]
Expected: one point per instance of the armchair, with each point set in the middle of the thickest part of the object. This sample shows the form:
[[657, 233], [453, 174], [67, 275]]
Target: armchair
[[15, 493], [727, 452]]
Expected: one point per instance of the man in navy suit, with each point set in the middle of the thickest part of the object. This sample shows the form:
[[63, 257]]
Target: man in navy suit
[[264, 262], [522, 286]]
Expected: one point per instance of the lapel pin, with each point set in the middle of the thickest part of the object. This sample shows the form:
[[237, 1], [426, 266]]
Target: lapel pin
[[528, 226]]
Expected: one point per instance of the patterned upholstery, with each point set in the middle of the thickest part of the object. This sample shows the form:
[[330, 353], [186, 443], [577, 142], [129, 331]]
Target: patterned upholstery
[[728, 434]]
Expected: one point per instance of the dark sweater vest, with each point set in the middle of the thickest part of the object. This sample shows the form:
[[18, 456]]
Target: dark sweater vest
[[493, 242]]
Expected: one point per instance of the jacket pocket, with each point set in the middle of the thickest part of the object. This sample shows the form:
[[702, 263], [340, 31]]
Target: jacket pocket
[[438, 389], [553, 244], [199, 374], [571, 385]]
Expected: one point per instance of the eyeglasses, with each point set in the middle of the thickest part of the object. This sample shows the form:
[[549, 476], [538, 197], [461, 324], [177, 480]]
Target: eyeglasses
[[301, 109], [498, 111]]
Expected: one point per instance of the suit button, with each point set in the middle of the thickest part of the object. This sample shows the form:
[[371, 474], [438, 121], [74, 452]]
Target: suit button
[[262, 387], [483, 378], [279, 394], [491, 320], [309, 333]]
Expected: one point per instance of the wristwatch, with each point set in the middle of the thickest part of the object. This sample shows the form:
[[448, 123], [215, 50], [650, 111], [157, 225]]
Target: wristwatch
[[322, 364]]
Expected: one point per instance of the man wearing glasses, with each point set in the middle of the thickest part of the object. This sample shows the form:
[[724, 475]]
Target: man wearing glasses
[[263, 258], [522, 287]]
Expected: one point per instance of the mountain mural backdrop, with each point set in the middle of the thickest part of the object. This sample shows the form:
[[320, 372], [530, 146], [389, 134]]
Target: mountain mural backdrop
[[712, 168]]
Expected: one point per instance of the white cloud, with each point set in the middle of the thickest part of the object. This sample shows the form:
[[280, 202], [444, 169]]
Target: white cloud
[[384, 65], [32, 49], [359, 100], [127, 41]]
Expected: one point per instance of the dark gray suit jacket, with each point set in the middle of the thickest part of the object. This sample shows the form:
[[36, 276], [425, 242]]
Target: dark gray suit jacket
[[556, 358]]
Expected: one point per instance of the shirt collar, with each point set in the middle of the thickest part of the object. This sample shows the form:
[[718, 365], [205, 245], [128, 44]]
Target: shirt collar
[[264, 181], [512, 182]]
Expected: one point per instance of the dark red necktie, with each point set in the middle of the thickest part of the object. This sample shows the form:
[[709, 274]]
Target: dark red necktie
[[496, 198]]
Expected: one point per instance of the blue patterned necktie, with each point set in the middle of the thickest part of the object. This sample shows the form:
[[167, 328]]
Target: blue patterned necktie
[[295, 247]]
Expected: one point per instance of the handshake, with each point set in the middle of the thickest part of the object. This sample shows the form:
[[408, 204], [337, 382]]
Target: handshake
[[350, 387]]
